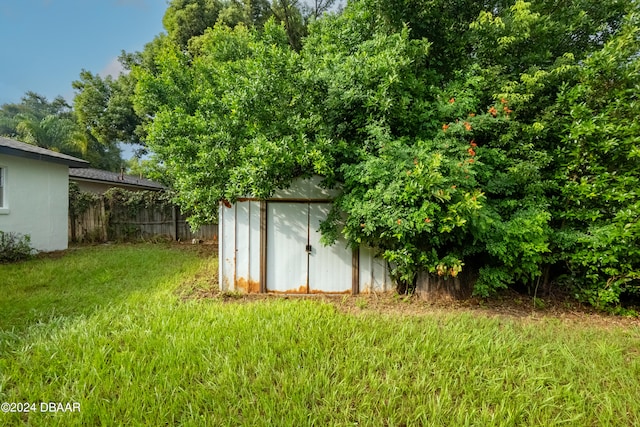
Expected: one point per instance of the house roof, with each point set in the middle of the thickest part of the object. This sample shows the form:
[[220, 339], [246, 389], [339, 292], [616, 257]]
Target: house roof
[[12, 147], [101, 176]]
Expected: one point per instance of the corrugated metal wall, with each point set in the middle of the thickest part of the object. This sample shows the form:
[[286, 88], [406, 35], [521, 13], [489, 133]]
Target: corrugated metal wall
[[239, 251], [374, 275], [295, 259]]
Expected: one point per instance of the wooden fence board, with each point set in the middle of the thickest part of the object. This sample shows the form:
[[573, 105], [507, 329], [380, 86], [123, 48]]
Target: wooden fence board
[[98, 223]]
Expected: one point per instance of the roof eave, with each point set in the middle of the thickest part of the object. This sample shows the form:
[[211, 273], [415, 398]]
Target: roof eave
[[77, 163], [121, 183]]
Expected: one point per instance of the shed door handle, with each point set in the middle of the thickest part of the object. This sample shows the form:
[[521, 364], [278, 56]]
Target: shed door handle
[[308, 249]]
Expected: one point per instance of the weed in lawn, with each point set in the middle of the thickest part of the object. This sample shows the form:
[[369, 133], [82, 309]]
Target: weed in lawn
[[231, 295], [361, 303], [538, 303]]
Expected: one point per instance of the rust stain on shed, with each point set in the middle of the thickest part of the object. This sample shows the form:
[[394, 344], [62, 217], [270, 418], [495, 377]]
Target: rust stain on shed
[[247, 286], [316, 291], [301, 290]]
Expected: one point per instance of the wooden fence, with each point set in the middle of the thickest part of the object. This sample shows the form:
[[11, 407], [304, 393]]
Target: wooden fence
[[102, 222]]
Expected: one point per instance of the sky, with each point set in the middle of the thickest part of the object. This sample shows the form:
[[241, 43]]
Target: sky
[[44, 44]]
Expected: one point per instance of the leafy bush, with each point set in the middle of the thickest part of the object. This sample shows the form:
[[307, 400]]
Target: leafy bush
[[600, 174], [80, 201], [14, 247]]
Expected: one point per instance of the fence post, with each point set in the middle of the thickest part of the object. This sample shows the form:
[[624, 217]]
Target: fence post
[[72, 225], [175, 222]]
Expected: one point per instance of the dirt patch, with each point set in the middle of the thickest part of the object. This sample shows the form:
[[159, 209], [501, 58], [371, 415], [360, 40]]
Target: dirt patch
[[52, 255], [203, 249], [509, 305]]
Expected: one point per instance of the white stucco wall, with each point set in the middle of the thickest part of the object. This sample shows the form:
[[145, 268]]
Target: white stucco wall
[[36, 201]]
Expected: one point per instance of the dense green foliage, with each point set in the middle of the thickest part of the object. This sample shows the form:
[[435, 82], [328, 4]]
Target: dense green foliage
[[103, 107], [112, 327], [500, 139], [217, 109]]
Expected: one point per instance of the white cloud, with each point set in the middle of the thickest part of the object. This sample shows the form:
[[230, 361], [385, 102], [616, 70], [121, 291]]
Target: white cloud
[[114, 68]]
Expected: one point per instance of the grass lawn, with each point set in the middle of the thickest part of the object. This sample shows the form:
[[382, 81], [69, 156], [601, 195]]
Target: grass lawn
[[109, 328]]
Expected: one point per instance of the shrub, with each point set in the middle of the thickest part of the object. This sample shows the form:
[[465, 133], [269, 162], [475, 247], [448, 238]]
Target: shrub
[[14, 247]]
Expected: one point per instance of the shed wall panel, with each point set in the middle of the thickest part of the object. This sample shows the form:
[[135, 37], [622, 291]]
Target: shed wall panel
[[366, 269], [254, 243], [374, 275], [220, 254], [227, 217], [242, 248], [290, 226], [308, 188]]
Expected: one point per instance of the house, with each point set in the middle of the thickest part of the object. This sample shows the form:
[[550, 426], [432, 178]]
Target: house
[[34, 193], [98, 181], [273, 246]]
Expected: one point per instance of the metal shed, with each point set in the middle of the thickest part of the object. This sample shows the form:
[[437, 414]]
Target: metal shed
[[273, 246]]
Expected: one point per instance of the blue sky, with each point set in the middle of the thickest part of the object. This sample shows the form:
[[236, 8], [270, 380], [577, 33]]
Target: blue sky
[[44, 44]]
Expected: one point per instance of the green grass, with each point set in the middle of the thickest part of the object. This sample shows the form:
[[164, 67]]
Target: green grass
[[83, 281], [141, 355]]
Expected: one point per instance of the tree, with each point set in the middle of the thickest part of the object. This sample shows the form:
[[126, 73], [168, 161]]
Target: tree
[[233, 95], [288, 12], [104, 105], [104, 108], [185, 19], [485, 137], [149, 168], [33, 107]]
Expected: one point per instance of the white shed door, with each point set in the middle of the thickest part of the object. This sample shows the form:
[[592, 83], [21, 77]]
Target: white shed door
[[293, 230], [330, 267], [287, 226]]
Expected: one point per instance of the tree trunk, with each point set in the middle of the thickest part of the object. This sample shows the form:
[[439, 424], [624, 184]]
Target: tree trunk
[[430, 287]]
